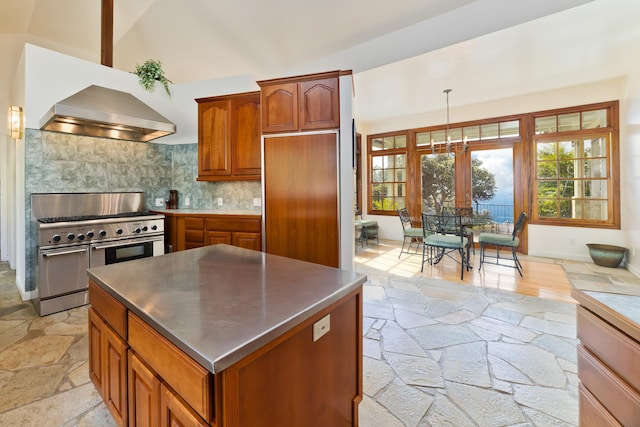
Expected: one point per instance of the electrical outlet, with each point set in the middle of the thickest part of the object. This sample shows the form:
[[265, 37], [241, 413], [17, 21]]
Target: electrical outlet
[[219, 201], [187, 201], [633, 251], [321, 327], [257, 202], [159, 202]]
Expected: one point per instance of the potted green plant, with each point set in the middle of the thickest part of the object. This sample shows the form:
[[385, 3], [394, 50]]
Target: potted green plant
[[151, 72]]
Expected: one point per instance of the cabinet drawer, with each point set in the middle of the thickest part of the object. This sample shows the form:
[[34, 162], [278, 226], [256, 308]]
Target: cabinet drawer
[[111, 310], [190, 380], [614, 394], [233, 224], [193, 223], [611, 346], [592, 413]]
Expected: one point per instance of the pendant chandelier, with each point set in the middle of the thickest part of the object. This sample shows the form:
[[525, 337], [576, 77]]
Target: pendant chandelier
[[450, 147]]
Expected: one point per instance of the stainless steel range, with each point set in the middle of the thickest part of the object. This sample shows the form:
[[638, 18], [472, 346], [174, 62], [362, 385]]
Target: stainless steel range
[[81, 230]]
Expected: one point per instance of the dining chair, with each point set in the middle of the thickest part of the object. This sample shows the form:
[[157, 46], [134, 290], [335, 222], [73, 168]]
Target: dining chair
[[410, 234], [365, 229], [443, 235], [502, 241], [466, 214]]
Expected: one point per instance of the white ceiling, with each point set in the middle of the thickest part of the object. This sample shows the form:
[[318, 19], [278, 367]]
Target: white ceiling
[[403, 54]]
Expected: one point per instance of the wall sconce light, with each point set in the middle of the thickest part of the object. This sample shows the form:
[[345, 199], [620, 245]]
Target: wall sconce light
[[16, 122]]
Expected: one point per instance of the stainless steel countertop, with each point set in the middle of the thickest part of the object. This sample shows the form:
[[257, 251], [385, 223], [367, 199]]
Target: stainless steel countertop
[[220, 303]]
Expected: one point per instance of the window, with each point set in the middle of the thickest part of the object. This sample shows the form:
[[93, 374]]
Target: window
[[388, 173], [565, 164], [575, 170]]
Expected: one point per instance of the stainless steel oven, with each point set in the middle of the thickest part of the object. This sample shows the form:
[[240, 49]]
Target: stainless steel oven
[[125, 250], [81, 230], [62, 272]]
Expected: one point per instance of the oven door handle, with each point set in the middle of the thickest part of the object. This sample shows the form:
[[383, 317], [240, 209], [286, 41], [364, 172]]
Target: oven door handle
[[76, 251], [124, 243]]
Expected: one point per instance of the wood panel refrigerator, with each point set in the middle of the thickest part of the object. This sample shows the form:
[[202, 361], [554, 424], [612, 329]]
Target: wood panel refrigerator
[[301, 196]]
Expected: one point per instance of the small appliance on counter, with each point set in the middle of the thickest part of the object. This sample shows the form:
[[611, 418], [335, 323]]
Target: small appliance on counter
[[172, 203]]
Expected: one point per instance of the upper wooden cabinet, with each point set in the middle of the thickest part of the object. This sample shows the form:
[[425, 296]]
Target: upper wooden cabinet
[[302, 103], [229, 137]]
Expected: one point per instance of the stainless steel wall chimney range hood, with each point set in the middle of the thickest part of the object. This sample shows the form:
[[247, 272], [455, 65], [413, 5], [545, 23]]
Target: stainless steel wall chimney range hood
[[106, 113]]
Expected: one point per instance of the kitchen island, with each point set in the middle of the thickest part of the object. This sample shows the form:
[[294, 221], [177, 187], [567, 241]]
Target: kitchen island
[[226, 336], [608, 327]]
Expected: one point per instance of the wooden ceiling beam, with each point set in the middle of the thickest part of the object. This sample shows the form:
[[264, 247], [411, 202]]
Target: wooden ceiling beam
[[106, 40]]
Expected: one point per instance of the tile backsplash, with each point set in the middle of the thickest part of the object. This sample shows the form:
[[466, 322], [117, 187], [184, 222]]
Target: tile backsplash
[[63, 163]]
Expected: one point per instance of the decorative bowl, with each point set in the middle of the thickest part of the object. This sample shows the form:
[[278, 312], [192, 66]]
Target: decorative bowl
[[606, 255]]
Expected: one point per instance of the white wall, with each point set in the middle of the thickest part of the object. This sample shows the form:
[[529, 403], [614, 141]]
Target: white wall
[[346, 184], [555, 242], [630, 165]]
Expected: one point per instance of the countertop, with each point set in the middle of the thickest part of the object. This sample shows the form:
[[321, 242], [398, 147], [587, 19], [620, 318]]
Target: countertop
[[207, 212], [622, 311], [220, 303]]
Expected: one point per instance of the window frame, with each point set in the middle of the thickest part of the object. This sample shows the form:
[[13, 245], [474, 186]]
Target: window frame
[[386, 152], [611, 131], [525, 184]]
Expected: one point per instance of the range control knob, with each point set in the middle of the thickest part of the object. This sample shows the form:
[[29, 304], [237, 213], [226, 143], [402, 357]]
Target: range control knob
[[154, 227], [90, 234], [136, 230], [102, 233], [56, 238], [145, 228], [119, 231], [71, 236], [80, 237]]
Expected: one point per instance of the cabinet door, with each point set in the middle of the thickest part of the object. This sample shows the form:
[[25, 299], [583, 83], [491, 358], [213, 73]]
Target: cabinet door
[[96, 326], [215, 237], [245, 135], [175, 413], [280, 107], [303, 170], [319, 104], [114, 358], [214, 139], [247, 240], [144, 394]]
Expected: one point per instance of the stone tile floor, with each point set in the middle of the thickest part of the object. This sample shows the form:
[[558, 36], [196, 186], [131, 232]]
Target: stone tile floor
[[435, 354]]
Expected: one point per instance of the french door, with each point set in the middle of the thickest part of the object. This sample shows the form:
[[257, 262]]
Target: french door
[[481, 177]]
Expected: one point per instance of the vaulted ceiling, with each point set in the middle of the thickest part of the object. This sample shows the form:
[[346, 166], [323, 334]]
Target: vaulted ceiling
[[402, 53]]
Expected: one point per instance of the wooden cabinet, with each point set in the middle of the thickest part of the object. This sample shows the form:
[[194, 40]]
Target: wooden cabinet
[[108, 355], [216, 237], [136, 376], [298, 372], [607, 369], [188, 231], [174, 413], [300, 103], [306, 227], [229, 137], [144, 394], [193, 232]]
